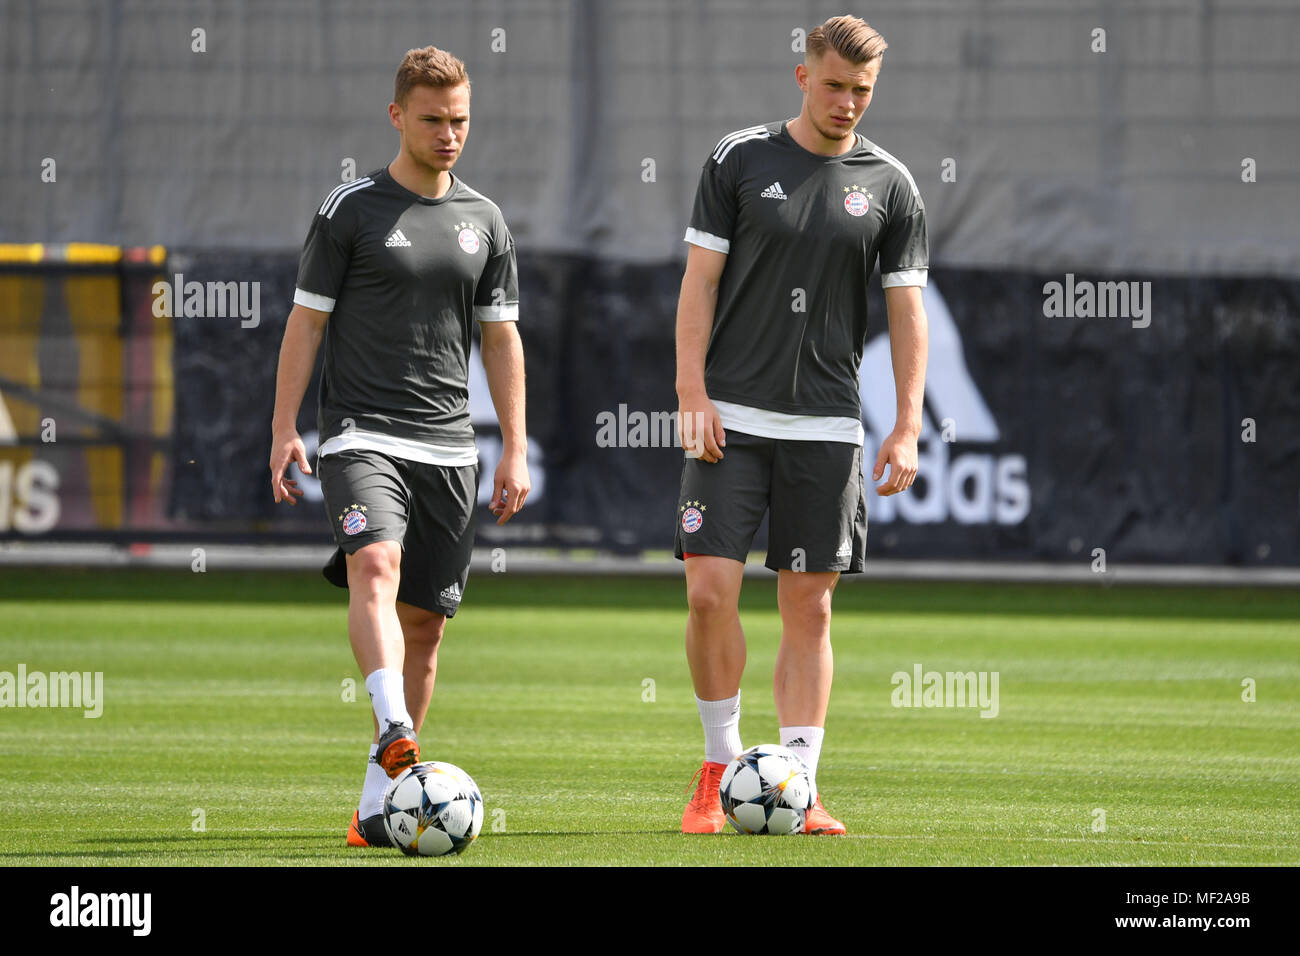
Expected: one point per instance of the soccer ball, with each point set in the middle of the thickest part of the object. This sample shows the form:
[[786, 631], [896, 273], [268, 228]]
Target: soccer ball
[[766, 790], [432, 809]]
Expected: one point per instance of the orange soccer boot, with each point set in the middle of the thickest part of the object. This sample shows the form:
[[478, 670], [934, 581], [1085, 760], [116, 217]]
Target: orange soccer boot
[[398, 749], [368, 832], [820, 823], [704, 813]]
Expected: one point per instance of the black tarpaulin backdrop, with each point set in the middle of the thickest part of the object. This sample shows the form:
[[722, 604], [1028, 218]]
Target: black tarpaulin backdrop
[[1131, 438]]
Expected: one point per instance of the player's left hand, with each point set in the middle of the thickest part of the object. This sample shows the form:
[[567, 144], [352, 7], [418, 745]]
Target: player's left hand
[[898, 451], [510, 487]]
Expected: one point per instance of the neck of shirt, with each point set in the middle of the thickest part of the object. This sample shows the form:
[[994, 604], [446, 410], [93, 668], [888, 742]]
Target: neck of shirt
[[858, 142], [427, 200]]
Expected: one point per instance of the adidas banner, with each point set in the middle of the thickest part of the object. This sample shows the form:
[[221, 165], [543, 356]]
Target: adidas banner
[[1066, 416]]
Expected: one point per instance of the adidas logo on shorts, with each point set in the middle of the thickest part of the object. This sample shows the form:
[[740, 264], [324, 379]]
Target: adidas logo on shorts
[[397, 239], [774, 191], [846, 549], [451, 593]]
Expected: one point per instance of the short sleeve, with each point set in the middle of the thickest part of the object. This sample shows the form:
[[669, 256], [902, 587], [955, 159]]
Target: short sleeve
[[496, 297], [905, 249], [713, 216], [324, 261]]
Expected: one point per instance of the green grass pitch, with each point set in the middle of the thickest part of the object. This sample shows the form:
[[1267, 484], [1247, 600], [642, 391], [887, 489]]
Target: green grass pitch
[[224, 694]]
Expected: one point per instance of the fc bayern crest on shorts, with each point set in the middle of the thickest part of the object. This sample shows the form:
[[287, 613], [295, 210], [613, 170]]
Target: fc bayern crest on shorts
[[856, 203], [692, 516], [354, 520], [468, 238]]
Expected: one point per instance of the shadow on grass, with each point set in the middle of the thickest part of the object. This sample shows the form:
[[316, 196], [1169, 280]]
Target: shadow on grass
[[626, 593], [575, 833], [311, 845]]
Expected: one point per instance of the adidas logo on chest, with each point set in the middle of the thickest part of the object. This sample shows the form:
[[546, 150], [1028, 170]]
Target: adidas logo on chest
[[397, 239], [773, 191]]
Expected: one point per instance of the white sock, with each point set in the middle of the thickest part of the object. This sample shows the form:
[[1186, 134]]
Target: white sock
[[388, 698], [373, 790], [721, 720], [807, 743]]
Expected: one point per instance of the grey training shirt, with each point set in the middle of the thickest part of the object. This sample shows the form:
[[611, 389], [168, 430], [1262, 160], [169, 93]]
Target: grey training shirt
[[802, 234], [403, 278]]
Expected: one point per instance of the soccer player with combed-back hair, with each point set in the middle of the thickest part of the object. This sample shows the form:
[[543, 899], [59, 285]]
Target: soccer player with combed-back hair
[[789, 221]]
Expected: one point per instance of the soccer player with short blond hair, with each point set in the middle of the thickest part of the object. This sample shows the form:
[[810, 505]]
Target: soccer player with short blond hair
[[397, 268], [789, 221]]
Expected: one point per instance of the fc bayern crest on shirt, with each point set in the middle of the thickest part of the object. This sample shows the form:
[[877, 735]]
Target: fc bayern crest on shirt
[[468, 237], [856, 203], [354, 519], [692, 516]]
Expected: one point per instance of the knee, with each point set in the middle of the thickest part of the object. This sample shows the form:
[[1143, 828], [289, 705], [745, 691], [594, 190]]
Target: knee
[[423, 633], [707, 600], [376, 567], [807, 611]]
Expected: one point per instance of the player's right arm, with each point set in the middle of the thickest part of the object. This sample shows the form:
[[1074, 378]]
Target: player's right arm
[[302, 335], [324, 263], [713, 220], [701, 431]]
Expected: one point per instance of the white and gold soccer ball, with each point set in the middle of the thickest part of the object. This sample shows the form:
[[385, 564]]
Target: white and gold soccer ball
[[766, 790], [433, 808]]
